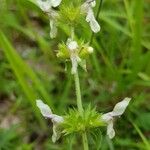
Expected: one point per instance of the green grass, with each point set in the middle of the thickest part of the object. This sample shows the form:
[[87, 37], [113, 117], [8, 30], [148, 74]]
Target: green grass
[[119, 67]]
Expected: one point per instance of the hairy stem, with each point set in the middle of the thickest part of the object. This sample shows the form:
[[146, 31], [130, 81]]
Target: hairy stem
[[80, 107], [79, 100], [78, 93], [72, 33], [85, 141]]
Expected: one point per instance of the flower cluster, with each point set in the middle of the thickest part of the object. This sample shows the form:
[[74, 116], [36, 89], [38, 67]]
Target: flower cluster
[[107, 119], [71, 50], [77, 53], [48, 6]]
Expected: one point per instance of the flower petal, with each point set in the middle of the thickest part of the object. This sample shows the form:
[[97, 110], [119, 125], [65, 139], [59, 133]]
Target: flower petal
[[107, 117], [55, 3], [44, 5], [120, 107], [110, 130], [56, 133], [82, 63], [95, 27], [74, 64], [57, 120], [45, 110], [73, 48], [72, 45], [89, 15], [93, 4], [53, 29]]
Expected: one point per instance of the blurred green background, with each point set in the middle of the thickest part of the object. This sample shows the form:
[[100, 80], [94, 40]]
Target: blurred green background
[[29, 70]]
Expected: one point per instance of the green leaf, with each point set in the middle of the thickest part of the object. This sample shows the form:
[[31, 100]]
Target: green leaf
[[25, 75], [144, 139]]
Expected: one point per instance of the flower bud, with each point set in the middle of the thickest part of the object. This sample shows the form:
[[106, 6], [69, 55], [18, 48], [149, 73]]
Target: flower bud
[[90, 49], [72, 45], [85, 51]]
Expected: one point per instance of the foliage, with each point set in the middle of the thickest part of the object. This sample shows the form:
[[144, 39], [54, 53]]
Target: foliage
[[74, 122], [118, 67]]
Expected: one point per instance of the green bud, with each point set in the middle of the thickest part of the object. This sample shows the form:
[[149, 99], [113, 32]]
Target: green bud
[[63, 51], [70, 14], [85, 51], [74, 122]]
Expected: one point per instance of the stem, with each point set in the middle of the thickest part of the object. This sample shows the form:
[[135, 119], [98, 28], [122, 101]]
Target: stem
[[80, 108], [72, 33], [85, 141], [78, 93], [79, 100]]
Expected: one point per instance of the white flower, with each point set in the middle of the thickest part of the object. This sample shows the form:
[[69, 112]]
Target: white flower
[[57, 120], [72, 45], [75, 59], [87, 8], [53, 15], [46, 5], [55, 3], [53, 28], [117, 111]]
